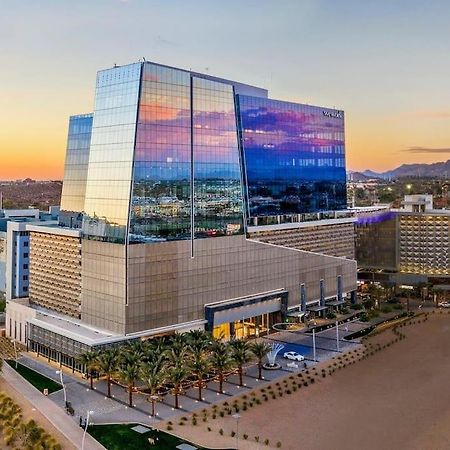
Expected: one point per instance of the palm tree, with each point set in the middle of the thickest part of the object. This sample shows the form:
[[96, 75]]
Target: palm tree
[[198, 339], [260, 350], [154, 375], [108, 361], [200, 367], [177, 374], [241, 355], [128, 372], [221, 361], [90, 362]]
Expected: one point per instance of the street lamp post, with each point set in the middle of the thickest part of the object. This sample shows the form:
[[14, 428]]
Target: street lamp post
[[237, 417], [88, 414], [337, 336], [15, 351], [60, 373], [314, 343]]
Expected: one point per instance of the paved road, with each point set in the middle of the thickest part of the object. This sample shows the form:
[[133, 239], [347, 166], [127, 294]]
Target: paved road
[[54, 413]]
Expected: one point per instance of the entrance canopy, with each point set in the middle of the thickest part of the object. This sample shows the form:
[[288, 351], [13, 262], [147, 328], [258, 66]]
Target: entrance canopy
[[245, 307]]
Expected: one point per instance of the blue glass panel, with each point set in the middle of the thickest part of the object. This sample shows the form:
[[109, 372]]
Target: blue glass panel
[[217, 177], [294, 157], [75, 170], [161, 200]]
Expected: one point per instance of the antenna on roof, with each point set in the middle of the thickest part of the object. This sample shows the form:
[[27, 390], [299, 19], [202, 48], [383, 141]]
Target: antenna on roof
[[143, 59]]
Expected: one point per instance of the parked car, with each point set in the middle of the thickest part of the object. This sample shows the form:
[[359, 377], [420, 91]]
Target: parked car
[[294, 356], [444, 305]]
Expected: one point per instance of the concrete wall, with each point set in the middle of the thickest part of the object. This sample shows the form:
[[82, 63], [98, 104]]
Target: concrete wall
[[166, 286]]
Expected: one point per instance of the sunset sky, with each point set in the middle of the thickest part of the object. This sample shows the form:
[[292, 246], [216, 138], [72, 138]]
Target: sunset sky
[[385, 63]]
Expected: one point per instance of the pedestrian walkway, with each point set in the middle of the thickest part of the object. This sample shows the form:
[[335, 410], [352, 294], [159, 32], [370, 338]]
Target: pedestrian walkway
[[54, 413]]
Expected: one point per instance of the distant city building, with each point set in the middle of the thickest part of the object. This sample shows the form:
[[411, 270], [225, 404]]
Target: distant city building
[[182, 194], [410, 245], [14, 247]]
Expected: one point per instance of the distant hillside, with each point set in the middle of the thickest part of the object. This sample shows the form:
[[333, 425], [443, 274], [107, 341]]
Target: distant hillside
[[437, 170], [357, 176]]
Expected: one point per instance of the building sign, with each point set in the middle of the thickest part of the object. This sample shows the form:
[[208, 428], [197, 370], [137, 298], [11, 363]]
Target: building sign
[[334, 114]]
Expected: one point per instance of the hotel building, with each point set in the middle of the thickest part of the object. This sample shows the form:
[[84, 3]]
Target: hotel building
[[189, 202]]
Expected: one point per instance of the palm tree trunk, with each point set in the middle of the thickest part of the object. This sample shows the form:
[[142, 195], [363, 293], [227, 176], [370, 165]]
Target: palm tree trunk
[[176, 399], [221, 383], [130, 395], [241, 382], [259, 369], [153, 407], [109, 386], [91, 379], [200, 382]]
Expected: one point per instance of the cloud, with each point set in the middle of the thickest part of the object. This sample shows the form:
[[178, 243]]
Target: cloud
[[426, 150]]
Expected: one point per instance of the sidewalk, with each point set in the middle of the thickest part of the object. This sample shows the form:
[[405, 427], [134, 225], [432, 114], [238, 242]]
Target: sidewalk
[[55, 414]]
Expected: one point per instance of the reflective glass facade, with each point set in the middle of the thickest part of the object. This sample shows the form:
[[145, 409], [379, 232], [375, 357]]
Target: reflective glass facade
[[186, 174], [294, 157], [75, 170], [174, 155], [111, 154], [217, 175]]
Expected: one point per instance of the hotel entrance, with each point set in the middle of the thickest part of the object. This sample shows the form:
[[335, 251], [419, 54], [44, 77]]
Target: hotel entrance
[[248, 317], [252, 327]]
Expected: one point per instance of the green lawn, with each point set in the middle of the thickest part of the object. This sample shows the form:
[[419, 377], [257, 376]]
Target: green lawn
[[122, 437], [36, 379]]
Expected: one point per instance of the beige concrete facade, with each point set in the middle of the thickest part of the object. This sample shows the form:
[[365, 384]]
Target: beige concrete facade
[[166, 286], [424, 243], [334, 240], [55, 271]]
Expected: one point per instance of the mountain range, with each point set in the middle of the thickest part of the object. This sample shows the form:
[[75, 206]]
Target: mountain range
[[435, 170]]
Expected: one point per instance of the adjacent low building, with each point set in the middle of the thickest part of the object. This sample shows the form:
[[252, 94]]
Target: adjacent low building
[[406, 246]]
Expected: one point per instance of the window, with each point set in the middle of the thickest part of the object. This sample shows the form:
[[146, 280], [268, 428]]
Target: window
[[25, 266], [25, 278], [25, 255], [25, 244]]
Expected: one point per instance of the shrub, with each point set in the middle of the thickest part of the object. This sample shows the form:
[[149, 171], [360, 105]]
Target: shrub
[[266, 442], [257, 438], [194, 421], [221, 413], [278, 444], [245, 436], [221, 432], [233, 434], [169, 428], [209, 428]]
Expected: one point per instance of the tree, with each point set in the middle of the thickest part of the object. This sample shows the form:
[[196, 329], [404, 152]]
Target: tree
[[178, 373], [154, 374], [221, 361], [241, 355], [200, 367], [90, 362], [260, 350], [108, 361], [129, 369]]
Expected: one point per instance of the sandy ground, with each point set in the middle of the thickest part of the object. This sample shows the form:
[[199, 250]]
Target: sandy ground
[[398, 398], [29, 412]]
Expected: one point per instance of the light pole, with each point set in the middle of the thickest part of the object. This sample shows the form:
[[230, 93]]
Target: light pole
[[237, 417], [314, 344], [15, 351], [337, 336], [88, 414], [60, 373]]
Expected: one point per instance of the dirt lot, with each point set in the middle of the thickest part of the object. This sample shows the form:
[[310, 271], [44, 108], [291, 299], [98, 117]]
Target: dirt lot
[[30, 413], [398, 398]]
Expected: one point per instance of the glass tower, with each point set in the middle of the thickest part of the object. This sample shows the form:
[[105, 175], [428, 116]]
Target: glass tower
[[175, 155]]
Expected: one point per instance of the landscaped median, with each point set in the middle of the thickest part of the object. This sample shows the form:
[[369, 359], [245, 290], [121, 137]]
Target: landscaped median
[[123, 437], [39, 381]]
